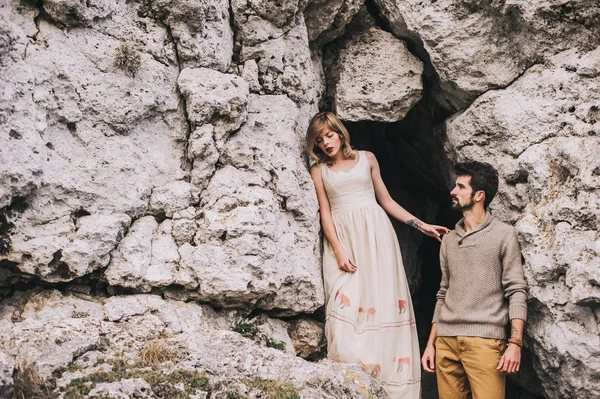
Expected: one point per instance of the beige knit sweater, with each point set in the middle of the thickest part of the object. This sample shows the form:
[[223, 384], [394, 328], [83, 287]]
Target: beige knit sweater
[[482, 284]]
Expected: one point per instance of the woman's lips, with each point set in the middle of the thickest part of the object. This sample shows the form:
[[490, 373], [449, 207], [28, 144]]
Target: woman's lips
[[330, 149]]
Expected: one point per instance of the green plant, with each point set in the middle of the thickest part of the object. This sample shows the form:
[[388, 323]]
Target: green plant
[[246, 328], [235, 395], [271, 343], [127, 59], [275, 389], [163, 385]]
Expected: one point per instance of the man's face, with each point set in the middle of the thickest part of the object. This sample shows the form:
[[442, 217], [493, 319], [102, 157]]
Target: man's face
[[462, 194]]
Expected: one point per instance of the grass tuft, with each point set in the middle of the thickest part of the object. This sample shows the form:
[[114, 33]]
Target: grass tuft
[[127, 59], [275, 389], [156, 352], [28, 384]]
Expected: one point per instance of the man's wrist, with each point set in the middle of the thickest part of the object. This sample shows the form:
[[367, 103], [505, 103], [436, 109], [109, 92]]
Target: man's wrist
[[516, 341]]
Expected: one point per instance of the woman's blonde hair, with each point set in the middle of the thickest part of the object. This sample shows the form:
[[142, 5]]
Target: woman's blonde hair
[[319, 122]]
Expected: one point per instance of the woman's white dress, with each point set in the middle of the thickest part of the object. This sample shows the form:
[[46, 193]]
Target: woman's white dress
[[369, 316]]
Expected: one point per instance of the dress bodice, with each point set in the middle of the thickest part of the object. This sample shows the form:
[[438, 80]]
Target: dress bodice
[[351, 188]]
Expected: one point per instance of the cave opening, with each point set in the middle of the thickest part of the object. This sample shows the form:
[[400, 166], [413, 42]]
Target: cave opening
[[413, 163], [415, 170]]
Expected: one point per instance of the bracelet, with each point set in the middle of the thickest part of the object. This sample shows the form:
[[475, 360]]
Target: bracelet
[[516, 341]]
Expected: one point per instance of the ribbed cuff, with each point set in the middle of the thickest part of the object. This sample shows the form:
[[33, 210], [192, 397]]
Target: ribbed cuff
[[517, 312]]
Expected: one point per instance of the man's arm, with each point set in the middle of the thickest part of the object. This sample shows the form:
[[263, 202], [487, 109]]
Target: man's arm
[[428, 360], [515, 289], [510, 362]]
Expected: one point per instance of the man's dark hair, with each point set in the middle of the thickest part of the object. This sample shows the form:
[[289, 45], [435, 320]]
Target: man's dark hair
[[483, 177]]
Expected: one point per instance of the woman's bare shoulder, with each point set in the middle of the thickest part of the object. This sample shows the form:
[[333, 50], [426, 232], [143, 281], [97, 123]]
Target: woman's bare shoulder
[[370, 157], [315, 170]]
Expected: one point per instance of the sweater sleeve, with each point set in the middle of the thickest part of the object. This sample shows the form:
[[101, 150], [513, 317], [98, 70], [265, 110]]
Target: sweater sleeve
[[513, 279], [441, 294]]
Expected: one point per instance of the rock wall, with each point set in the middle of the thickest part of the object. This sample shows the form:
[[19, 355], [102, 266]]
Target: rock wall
[[154, 147]]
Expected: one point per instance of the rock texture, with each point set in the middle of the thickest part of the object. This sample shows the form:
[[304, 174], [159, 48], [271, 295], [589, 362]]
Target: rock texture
[[476, 45], [156, 147], [543, 134], [121, 123], [364, 87], [68, 337]]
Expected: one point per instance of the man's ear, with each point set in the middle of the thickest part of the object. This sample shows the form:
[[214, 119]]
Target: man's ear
[[480, 196]]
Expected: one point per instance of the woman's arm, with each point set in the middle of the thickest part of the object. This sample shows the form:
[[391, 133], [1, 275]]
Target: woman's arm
[[394, 209], [343, 259]]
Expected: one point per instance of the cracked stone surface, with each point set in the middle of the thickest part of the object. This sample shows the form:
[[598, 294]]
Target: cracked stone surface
[[327, 20], [363, 85], [51, 331], [543, 134], [477, 46], [156, 147]]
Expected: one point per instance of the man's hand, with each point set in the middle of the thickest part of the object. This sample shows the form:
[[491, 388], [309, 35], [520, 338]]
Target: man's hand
[[510, 361], [428, 359]]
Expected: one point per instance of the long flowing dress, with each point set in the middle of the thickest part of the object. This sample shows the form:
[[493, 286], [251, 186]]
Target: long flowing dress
[[369, 313]]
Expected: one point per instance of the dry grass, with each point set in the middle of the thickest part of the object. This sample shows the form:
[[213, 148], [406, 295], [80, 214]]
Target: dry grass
[[156, 352], [28, 384], [127, 59]]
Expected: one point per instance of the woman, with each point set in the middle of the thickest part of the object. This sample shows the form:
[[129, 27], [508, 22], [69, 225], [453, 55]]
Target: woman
[[369, 315]]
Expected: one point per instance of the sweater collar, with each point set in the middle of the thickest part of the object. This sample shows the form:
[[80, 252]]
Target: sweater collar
[[460, 226]]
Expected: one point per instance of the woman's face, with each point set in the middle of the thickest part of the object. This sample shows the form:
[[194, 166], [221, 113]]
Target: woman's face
[[329, 142]]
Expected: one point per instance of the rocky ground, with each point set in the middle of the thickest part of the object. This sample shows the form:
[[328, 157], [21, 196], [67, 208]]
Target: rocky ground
[[154, 186]]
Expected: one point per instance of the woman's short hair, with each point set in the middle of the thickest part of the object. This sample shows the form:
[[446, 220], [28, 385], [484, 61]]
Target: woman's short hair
[[320, 122]]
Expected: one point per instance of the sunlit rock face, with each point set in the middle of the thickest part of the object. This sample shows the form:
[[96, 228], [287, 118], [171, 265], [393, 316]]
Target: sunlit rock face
[[375, 77], [542, 134], [70, 336], [477, 45], [156, 147]]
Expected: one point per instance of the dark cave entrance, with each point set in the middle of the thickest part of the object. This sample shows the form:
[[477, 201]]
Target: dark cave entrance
[[414, 165], [415, 170]]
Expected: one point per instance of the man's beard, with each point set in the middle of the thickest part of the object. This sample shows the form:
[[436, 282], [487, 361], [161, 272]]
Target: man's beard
[[456, 206]]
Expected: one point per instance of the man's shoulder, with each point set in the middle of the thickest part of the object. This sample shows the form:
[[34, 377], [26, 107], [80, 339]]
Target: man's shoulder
[[502, 227], [451, 236]]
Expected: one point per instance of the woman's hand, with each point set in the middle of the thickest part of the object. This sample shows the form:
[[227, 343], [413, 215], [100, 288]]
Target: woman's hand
[[428, 229], [345, 262]]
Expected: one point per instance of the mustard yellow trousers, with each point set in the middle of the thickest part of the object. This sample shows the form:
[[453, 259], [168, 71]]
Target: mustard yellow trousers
[[466, 368]]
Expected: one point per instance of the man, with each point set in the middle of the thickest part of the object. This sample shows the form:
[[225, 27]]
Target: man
[[482, 289]]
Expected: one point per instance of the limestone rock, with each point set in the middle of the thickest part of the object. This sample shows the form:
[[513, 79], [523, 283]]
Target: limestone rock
[[214, 97], [375, 77], [21, 147], [201, 30], [7, 368], [476, 46], [285, 65], [263, 20], [148, 257], [542, 134], [51, 331], [93, 122], [326, 20], [74, 13], [308, 337], [257, 240], [171, 198], [125, 388]]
